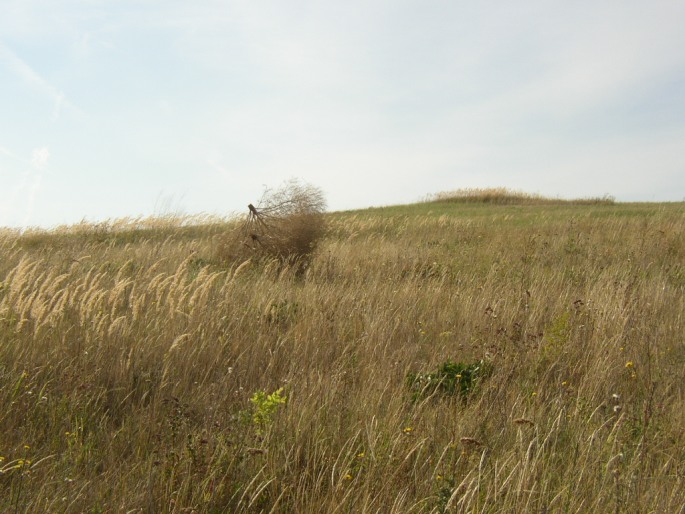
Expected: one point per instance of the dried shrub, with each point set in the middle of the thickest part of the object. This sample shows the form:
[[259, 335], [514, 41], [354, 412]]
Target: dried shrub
[[286, 225]]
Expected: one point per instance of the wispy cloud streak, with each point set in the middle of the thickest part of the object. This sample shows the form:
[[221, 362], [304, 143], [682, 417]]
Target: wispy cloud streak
[[34, 80], [23, 188]]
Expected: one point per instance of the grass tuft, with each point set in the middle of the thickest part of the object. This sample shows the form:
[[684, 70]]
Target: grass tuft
[[504, 196]]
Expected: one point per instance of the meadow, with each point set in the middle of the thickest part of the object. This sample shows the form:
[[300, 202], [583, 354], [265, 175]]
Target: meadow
[[447, 356]]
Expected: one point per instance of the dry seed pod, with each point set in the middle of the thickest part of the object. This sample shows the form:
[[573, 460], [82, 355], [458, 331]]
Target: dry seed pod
[[524, 421], [470, 441]]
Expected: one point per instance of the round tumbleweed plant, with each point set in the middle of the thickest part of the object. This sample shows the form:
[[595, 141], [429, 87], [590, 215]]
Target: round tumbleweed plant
[[286, 224]]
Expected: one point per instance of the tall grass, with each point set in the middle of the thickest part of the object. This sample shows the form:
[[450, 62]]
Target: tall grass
[[135, 372], [504, 196]]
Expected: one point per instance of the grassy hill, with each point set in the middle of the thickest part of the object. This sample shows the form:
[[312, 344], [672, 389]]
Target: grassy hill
[[448, 356]]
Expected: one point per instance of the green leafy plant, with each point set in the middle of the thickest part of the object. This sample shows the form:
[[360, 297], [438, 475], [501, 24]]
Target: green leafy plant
[[443, 494], [451, 378], [557, 334], [264, 406], [281, 313]]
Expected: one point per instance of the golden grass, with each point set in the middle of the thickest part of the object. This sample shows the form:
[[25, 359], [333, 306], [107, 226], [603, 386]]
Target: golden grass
[[504, 196], [128, 360]]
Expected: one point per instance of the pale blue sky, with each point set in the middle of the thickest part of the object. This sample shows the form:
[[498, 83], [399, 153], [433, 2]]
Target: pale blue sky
[[112, 108]]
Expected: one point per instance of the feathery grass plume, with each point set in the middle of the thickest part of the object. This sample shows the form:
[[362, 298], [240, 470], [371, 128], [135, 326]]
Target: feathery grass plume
[[286, 224], [241, 268]]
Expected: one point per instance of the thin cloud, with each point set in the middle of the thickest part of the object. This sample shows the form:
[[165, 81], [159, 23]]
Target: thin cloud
[[33, 180], [32, 188], [22, 69], [39, 159], [11, 154], [19, 205]]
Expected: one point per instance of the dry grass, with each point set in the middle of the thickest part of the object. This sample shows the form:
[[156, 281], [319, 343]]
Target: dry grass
[[128, 362], [504, 196]]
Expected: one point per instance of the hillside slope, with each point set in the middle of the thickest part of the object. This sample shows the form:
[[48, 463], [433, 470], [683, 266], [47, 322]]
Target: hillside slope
[[439, 357]]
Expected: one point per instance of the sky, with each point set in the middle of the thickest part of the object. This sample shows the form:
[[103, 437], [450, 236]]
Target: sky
[[122, 108]]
